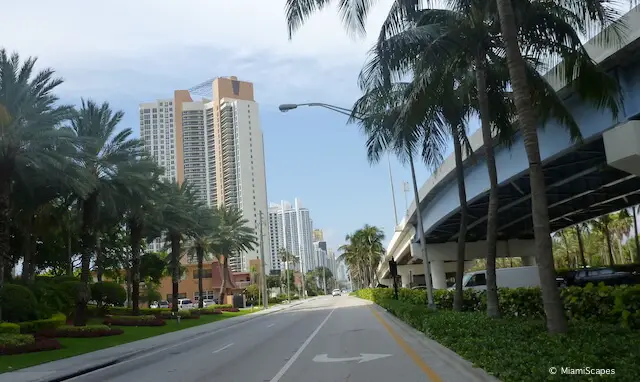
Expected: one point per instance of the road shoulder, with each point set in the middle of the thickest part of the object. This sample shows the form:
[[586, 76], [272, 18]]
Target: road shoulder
[[447, 364]]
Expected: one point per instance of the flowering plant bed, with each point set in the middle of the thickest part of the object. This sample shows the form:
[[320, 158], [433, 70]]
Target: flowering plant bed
[[206, 311], [81, 331], [25, 343], [133, 321], [230, 309]]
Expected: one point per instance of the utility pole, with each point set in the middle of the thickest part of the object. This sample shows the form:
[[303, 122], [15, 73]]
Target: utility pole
[[286, 269], [263, 277], [324, 278]]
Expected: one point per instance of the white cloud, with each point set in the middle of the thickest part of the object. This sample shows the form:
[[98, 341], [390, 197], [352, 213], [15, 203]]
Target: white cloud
[[149, 48]]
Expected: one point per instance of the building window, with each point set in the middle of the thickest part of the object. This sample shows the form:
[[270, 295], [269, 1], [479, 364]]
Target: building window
[[207, 273], [180, 295]]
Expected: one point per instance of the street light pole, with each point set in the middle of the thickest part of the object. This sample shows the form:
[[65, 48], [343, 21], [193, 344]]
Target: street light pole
[[263, 276], [290, 106]]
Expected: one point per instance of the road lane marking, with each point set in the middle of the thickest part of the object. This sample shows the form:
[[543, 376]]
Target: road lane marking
[[222, 348], [270, 325], [407, 349], [300, 350], [364, 357]]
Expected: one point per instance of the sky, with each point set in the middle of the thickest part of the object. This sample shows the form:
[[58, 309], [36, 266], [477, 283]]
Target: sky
[[128, 52]]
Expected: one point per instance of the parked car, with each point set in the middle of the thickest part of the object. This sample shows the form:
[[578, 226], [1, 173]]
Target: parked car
[[185, 303], [606, 275], [208, 302], [159, 304], [336, 292]]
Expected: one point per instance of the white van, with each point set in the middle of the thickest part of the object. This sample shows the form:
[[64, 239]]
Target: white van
[[517, 277]]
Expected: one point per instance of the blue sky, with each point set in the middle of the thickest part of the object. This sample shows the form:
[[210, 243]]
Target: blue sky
[[127, 52]]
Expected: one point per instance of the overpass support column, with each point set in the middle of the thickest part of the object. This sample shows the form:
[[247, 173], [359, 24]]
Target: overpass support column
[[438, 274]]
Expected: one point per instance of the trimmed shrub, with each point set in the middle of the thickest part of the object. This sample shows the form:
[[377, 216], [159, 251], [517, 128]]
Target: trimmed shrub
[[133, 321], [124, 311], [81, 331], [229, 309], [9, 328], [51, 296], [605, 304], [13, 340], [35, 326], [106, 292], [38, 344], [206, 311], [183, 314], [18, 303], [518, 349]]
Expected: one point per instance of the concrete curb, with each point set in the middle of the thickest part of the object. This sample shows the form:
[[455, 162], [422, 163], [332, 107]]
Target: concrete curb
[[448, 356], [24, 375]]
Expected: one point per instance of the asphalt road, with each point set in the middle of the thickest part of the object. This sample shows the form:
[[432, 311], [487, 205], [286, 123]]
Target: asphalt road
[[327, 339]]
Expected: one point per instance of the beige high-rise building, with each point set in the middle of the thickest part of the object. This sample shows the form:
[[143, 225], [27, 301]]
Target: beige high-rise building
[[318, 235], [216, 145]]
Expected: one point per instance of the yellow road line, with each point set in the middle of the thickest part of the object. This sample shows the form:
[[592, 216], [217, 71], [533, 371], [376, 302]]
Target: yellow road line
[[407, 349]]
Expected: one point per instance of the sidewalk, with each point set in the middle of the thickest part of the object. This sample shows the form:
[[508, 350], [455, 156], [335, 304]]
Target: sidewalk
[[445, 363], [70, 367]]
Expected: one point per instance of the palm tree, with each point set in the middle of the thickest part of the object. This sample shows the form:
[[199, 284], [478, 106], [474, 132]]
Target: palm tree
[[634, 211], [235, 238], [288, 258], [140, 208], [368, 241], [379, 113], [179, 204], [583, 261], [592, 84], [202, 243], [29, 119], [603, 224], [106, 153]]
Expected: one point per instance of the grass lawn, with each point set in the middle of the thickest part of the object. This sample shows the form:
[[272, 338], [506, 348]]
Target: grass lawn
[[76, 346]]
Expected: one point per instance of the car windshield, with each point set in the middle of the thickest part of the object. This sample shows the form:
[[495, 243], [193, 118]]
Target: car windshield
[[186, 301]]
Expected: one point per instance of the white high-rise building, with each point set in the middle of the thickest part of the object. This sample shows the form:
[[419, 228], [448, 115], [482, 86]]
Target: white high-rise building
[[290, 227], [217, 146]]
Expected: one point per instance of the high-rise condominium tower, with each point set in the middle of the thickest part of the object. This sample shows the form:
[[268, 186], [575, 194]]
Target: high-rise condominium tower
[[217, 146], [290, 227]]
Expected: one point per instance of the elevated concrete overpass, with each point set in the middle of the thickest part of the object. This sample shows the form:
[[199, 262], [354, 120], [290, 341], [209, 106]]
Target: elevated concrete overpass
[[584, 180]]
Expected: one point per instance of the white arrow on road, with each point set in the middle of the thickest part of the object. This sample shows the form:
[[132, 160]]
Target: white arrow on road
[[364, 357]]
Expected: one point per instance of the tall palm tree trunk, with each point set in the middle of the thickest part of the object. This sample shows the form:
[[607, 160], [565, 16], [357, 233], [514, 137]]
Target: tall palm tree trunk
[[69, 252], [493, 308], [583, 260], [200, 254], [462, 235], [89, 206], [136, 238], [6, 173], [99, 257], [607, 235], [635, 230], [566, 248], [553, 306], [223, 285], [175, 270], [423, 238]]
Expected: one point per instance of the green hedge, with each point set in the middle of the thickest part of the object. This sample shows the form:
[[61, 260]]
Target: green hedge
[[35, 326], [9, 328], [519, 349], [605, 304], [13, 340], [18, 303]]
